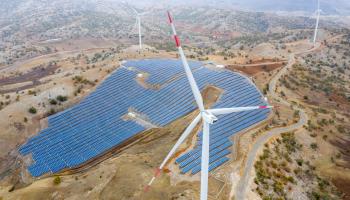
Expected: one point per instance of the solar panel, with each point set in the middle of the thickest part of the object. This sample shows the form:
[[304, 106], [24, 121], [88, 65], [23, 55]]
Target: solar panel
[[96, 124]]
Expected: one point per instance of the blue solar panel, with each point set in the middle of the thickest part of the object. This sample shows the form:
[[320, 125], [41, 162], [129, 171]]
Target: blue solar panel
[[96, 124]]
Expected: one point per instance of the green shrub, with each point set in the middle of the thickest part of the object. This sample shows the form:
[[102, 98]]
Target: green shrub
[[32, 110], [325, 137], [300, 162], [30, 92], [314, 146], [12, 189], [53, 102], [61, 98], [291, 179], [57, 180]]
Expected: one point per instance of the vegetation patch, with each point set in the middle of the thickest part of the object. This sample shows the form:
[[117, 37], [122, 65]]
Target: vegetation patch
[[57, 180], [282, 170], [32, 110]]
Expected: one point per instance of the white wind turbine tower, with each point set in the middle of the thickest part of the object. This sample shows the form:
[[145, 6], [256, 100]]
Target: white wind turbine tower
[[138, 21], [207, 116], [318, 12]]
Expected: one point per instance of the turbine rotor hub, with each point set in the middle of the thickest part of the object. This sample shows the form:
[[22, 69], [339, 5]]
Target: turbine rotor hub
[[209, 117]]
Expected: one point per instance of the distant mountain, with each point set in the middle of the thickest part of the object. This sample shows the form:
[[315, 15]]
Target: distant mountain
[[340, 7], [329, 7], [40, 20]]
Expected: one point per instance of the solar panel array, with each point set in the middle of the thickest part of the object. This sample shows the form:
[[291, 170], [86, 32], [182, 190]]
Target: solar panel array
[[96, 124]]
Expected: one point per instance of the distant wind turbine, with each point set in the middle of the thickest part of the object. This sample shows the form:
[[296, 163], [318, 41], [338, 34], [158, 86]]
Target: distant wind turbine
[[207, 116], [318, 12], [138, 22]]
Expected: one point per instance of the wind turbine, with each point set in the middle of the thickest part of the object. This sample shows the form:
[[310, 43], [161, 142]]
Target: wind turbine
[[207, 116], [138, 21], [318, 12]]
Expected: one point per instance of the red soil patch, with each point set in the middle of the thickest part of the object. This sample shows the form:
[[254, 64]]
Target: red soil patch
[[339, 99], [344, 186], [344, 148], [266, 61], [256, 68], [320, 99], [34, 76]]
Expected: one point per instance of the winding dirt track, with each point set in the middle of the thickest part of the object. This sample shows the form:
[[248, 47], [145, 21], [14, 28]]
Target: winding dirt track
[[244, 181]]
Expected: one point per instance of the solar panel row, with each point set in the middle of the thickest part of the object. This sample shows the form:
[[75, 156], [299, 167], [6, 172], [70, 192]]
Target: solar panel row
[[96, 124]]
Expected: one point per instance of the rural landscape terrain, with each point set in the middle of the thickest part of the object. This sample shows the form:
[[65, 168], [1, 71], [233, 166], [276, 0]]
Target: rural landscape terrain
[[53, 54]]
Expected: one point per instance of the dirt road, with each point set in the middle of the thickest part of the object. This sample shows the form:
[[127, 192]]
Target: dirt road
[[246, 178]]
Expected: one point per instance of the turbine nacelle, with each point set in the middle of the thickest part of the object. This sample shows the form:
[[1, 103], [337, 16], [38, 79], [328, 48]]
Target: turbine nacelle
[[209, 117]]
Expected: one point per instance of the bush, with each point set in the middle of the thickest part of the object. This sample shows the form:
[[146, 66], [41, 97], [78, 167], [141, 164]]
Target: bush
[[290, 179], [290, 142], [300, 162], [314, 146], [61, 98], [12, 189], [325, 137], [53, 102], [57, 180], [78, 79], [30, 92], [32, 110]]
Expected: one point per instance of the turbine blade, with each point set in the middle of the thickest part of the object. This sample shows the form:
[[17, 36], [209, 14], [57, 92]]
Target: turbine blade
[[193, 84], [205, 161], [133, 9], [178, 143], [222, 111], [128, 6], [181, 139]]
